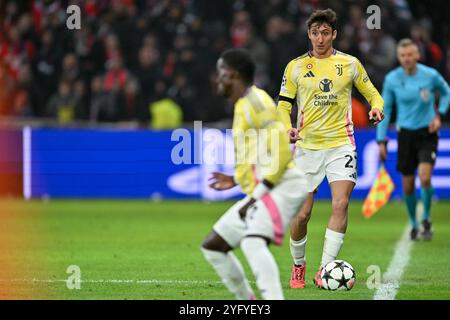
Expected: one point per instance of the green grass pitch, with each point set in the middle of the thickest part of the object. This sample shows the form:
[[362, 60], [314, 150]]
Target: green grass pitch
[[148, 250]]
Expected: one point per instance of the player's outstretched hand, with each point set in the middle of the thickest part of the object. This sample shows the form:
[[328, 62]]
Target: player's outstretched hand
[[221, 181], [376, 116], [435, 125], [243, 210], [293, 135]]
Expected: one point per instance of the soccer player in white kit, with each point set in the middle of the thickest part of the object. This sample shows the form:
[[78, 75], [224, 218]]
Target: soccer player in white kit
[[265, 172]]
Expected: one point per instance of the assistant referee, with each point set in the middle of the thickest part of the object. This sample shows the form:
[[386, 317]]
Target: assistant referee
[[412, 86]]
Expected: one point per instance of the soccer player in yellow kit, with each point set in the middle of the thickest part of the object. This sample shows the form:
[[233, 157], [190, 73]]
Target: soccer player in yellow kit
[[321, 81], [266, 172]]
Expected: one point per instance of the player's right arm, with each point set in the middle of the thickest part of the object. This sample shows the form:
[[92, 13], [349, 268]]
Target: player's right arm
[[388, 97], [444, 89], [288, 92]]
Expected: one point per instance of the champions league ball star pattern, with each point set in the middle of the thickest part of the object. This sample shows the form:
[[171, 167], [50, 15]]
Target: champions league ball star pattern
[[338, 275]]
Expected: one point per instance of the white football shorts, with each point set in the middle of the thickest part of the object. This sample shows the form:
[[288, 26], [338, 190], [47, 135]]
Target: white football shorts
[[336, 164], [268, 217]]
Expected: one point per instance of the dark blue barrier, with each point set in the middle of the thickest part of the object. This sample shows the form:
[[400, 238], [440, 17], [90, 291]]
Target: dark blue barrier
[[102, 163], [139, 164]]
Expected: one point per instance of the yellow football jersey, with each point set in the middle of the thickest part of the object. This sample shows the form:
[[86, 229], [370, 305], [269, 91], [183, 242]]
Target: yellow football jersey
[[322, 89], [261, 144]]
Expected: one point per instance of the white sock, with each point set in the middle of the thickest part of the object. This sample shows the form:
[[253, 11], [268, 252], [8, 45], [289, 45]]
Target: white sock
[[298, 250], [332, 245], [264, 267], [231, 272]]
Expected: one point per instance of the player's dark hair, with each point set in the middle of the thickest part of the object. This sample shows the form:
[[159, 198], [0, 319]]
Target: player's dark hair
[[320, 17], [241, 61]]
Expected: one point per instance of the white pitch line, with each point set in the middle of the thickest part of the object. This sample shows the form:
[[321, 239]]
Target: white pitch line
[[26, 136], [115, 281], [392, 277]]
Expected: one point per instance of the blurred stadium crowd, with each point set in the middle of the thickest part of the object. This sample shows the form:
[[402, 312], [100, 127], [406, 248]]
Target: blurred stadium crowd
[[132, 58]]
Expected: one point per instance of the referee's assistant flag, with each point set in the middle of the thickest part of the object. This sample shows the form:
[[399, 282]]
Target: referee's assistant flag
[[379, 194]]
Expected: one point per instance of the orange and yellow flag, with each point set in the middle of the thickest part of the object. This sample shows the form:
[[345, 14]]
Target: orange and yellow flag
[[379, 194]]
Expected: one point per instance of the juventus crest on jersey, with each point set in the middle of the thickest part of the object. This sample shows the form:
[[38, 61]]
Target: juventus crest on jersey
[[322, 89]]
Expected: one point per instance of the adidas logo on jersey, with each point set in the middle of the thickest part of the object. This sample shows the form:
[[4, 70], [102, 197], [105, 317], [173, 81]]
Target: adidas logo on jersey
[[309, 75], [353, 175]]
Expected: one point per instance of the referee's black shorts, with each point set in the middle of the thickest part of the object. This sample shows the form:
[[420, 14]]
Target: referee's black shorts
[[414, 147]]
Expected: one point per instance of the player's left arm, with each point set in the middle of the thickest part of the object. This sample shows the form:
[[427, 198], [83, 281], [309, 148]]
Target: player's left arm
[[442, 86], [367, 89]]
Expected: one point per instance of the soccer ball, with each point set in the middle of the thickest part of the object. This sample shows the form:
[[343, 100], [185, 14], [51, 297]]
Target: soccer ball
[[338, 275]]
